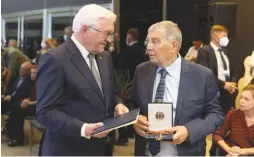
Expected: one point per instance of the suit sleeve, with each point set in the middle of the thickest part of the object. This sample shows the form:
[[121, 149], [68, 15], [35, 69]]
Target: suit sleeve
[[133, 91], [199, 128], [203, 59], [50, 82]]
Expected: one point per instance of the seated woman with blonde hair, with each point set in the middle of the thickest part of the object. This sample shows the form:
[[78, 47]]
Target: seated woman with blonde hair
[[240, 126]]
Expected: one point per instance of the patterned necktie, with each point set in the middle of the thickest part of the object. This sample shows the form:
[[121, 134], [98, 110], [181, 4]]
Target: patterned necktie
[[94, 71], [154, 146]]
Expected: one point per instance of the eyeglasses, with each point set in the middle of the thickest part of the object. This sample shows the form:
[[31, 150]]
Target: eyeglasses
[[105, 34]]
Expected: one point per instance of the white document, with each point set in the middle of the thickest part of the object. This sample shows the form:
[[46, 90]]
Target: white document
[[160, 116]]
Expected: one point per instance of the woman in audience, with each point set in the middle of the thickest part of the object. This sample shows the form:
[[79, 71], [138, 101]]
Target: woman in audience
[[16, 119], [46, 45], [239, 125]]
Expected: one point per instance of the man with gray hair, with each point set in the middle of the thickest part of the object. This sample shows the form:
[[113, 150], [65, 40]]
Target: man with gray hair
[[190, 87], [76, 88]]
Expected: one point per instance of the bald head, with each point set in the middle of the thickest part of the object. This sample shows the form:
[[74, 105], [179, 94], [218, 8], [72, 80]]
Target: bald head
[[25, 69]]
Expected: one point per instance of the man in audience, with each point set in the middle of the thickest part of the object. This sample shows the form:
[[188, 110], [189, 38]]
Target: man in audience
[[71, 108], [190, 87], [20, 89], [133, 54], [67, 33], [12, 43], [14, 60], [22, 108], [128, 59], [215, 57], [193, 51]]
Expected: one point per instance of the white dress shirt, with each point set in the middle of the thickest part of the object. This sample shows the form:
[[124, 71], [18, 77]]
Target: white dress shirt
[[221, 72], [84, 53], [170, 95]]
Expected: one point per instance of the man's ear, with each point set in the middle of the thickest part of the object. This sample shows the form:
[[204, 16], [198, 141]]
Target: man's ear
[[175, 45]]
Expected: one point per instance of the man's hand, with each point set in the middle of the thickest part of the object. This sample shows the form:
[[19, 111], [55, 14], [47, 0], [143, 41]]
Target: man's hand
[[91, 127], [121, 109], [231, 87], [23, 104], [180, 134], [7, 98], [141, 126], [235, 151]]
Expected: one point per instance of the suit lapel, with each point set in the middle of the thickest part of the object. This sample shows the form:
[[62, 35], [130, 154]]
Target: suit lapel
[[102, 66], [183, 88], [83, 68], [151, 79], [213, 60]]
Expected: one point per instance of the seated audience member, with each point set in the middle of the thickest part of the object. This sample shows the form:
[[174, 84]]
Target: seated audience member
[[46, 45], [193, 51], [20, 89], [240, 123], [15, 58], [25, 107]]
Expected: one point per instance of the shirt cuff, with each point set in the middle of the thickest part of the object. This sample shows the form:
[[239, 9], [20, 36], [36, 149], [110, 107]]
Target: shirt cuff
[[83, 131]]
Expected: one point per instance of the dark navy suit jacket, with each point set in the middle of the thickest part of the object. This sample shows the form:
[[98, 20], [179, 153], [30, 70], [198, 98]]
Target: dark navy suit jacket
[[23, 91], [197, 108], [207, 58], [68, 96]]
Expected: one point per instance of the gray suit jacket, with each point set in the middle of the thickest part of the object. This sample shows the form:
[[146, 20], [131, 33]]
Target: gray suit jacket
[[197, 109]]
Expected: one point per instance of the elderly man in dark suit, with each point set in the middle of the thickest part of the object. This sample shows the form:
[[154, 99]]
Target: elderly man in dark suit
[[76, 87], [190, 87], [20, 89]]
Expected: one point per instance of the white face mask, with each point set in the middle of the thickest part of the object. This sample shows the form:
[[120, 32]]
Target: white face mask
[[65, 37], [43, 45], [223, 42], [111, 48]]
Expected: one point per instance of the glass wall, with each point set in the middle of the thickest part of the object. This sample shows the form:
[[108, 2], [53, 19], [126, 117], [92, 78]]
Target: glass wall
[[30, 27]]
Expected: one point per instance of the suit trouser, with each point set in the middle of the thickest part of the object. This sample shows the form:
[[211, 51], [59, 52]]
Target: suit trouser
[[15, 123]]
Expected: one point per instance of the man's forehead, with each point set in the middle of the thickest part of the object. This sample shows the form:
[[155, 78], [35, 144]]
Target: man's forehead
[[105, 24], [156, 34]]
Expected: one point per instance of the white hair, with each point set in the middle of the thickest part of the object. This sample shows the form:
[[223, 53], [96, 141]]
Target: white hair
[[172, 31], [89, 15]]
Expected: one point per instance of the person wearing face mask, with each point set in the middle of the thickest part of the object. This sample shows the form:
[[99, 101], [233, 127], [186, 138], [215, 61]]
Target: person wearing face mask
[[67, 33], [215, 57], [46, 45]]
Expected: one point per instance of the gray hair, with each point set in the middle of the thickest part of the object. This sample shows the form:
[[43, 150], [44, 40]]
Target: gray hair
[[89, 15], [172, 31]]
